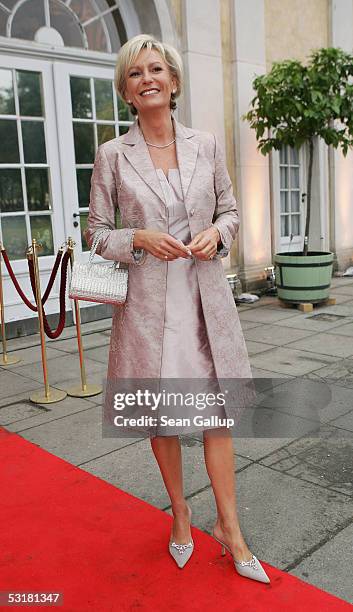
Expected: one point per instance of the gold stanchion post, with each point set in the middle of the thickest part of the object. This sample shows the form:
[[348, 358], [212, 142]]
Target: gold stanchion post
[[50, 395], [85, 390], [6, 359]]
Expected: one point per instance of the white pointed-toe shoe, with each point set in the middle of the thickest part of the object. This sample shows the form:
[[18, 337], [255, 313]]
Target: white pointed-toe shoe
[[249, 569], [181, 553]]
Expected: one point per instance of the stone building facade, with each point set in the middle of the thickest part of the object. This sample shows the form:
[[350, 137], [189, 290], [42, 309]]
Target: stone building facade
[[57, 104]]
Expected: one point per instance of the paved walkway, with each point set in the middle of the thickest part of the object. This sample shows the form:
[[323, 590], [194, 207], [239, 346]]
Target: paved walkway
[[295, 491]]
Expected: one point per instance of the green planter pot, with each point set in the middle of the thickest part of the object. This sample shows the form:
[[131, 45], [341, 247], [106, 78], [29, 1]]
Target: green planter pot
[[302, 278]]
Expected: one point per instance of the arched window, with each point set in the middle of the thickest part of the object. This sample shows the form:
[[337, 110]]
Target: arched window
[[90, 24]]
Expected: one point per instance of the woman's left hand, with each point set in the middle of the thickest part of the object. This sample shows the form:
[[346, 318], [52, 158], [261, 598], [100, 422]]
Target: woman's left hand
[[204, 245]]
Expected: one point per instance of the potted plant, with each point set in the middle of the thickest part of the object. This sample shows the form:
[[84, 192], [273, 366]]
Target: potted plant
[[297, 104]]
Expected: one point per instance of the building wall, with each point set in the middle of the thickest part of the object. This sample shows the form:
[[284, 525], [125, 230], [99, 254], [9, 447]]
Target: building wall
[[228, 76], [288, 30], [224, 126], [175, 8], [226, 30], [224, 45], [341, 176], [252, 172], [294, 28]]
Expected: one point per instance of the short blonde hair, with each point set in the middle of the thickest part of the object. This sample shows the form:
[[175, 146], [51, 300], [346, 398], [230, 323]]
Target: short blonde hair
[[128, 54]]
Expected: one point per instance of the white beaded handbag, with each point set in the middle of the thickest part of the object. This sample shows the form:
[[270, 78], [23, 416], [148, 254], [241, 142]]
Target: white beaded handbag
[[98, 282]]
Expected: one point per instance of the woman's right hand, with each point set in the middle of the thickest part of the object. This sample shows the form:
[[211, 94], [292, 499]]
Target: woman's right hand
[[160, 245]]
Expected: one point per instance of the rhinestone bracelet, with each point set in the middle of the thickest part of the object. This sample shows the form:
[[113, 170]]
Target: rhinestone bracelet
[[132, 240], [136, 253]]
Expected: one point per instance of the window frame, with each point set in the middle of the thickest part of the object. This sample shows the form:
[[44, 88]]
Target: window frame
[[282, 243], [52, 163]]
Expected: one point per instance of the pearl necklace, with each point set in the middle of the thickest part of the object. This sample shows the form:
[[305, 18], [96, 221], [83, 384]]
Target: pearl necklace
[[160, 146]]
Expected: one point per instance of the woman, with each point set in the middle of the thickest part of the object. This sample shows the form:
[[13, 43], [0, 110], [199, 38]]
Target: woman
[[178, 217]]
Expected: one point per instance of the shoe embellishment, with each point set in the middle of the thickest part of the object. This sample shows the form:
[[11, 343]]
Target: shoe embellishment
[[252, 563], [181, 547]]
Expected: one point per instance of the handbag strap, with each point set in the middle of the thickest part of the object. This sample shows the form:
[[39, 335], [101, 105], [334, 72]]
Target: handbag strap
[[97, 237]]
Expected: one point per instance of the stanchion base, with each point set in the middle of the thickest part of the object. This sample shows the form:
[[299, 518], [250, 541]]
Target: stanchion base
[[87, 392], [9, 360], [55, 395]]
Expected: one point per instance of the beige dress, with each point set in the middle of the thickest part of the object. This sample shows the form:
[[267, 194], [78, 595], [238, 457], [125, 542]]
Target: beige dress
[[186, 351]]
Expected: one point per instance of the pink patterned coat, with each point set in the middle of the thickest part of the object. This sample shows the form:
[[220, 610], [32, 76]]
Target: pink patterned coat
[[124, 176]]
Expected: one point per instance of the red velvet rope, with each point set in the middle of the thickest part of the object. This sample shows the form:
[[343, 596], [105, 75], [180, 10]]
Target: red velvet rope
[[56, 333], [15, 282], [52, 277], [64, 263], [18, 288]]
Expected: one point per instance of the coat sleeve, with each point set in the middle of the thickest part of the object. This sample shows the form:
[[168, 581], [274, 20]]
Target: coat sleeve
[[225, 217], [117, 244]]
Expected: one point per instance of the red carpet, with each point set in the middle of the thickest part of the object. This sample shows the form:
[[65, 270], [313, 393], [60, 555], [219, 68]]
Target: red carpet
[[64, 530]]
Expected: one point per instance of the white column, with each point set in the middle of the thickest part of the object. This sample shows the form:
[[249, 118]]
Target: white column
[[340, 166], [202, 55], [252, 168]]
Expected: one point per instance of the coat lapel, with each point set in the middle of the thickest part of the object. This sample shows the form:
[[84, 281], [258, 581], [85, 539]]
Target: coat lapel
[[138, 155], [187, 152]]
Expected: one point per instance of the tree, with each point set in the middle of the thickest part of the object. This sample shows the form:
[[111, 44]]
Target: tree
[[295, 103]]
